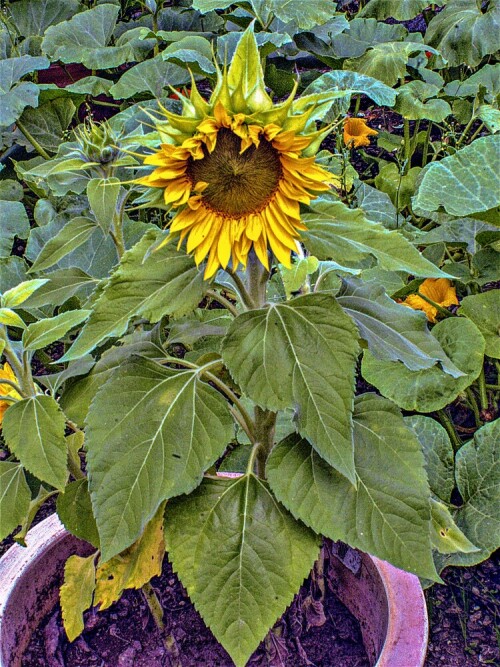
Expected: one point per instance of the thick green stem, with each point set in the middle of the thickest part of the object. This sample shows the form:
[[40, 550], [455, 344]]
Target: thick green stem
[[39, 149], [425, 151], [257, 277], [483, 396], [473, 405], [265, 422], [450, 429]]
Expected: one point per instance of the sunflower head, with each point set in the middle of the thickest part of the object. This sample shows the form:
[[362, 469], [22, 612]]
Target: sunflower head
[[357, 132], [438, 290], [234, 169]]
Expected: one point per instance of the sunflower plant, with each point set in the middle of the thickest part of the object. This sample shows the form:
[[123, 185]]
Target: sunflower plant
[[211, 390]]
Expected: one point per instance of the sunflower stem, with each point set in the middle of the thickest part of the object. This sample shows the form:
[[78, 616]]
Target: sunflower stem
[[265, 422], [257, 277]]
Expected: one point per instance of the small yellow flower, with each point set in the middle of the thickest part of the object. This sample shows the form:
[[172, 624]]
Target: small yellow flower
[[6, 373], [356, 132], [439, 290]]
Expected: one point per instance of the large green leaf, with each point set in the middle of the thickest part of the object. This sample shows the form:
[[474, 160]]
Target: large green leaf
[[97, 255], [438, 452], [348, 84], [464, 33], [79, 393], [393, 332], [103, 196], [15, 497], [431, 389], [193, 53], [458, 231], [305, 15], [386, 62], [478, 480], [33, 17], [60, 286], [152, 76], [34, 431], [377, 206], [387, 514], [464, 183], [15, 222], [399, 186], [484, 311], [417, 100], [345, 236], [301, 354], [240, 555], [48, 122], [166, 428], [70, 237], [74, 508], [15, 94], [488, 76], [44, 332], [363, 33], [166, 283], [402, 10], [85, 39]]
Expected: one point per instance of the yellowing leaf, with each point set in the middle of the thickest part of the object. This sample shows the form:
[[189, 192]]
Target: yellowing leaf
[[135, 566], [76, 593]]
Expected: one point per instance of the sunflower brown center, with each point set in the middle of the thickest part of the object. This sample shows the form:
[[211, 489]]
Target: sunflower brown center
[[237, 184]]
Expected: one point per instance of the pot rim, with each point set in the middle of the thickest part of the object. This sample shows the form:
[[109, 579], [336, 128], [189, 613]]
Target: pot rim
[[402, 591]]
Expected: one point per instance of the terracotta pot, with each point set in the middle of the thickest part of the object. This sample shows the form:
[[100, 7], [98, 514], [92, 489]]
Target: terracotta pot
[[387, 602]]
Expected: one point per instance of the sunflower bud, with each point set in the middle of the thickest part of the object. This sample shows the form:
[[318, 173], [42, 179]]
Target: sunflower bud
[[97, 142]]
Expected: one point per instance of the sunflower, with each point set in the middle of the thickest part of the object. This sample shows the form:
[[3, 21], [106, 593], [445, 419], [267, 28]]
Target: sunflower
[[235, 169], [438, 290], [6, 373], [357, 132]]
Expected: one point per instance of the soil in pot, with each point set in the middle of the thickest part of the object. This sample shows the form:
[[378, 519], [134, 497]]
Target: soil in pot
[[311, 632]]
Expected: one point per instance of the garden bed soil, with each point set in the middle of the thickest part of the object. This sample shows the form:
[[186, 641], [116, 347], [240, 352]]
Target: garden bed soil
[[311, 632]]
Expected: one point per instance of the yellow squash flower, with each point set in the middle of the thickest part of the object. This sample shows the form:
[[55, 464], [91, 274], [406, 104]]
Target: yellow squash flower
[[235, 169], [439, 290], [357, 132], [6, 373]]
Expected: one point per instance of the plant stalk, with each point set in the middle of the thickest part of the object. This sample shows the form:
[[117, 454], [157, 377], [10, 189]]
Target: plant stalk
[[450, 429], [39, 149]]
